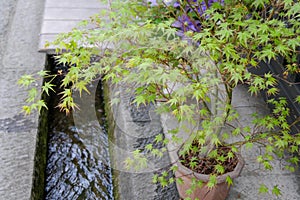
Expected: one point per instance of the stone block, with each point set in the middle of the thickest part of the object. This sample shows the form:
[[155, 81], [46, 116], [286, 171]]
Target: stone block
[[58, 26], [69, 13], [74, 4]]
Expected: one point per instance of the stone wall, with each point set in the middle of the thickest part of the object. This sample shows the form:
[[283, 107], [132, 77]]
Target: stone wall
[[132, 128]]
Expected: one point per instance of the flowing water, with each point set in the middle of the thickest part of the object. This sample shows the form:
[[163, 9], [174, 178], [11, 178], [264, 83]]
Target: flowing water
[[78, 165]]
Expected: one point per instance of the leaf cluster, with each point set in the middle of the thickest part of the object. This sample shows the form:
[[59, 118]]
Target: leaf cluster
[[192, 72]]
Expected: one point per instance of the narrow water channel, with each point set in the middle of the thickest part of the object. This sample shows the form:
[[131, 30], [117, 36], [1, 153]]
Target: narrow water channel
[[78, 165]]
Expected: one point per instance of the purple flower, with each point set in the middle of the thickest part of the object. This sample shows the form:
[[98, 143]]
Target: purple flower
[[176, 4], [186, 24], [210, 2]]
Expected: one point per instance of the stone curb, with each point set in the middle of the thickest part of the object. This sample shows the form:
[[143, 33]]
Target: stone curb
[[133, 128]]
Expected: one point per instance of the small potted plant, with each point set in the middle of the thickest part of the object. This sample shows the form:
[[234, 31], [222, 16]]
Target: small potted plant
[[187, 57]]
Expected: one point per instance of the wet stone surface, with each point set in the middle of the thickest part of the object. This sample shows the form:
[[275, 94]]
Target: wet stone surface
[[78, 165]]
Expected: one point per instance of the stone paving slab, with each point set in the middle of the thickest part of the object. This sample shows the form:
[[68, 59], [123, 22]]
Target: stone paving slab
[[55, 27], [62, 16], [66, 14], [73, 4], [16, 161], [19, 36]]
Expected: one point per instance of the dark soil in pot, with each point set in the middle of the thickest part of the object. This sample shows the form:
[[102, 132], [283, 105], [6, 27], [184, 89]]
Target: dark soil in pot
[[206, 165], [201, 169]]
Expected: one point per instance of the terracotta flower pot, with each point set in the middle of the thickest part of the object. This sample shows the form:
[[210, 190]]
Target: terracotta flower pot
[[219, 192]]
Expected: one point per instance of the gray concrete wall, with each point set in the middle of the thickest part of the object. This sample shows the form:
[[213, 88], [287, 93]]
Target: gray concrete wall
[[20, 25]]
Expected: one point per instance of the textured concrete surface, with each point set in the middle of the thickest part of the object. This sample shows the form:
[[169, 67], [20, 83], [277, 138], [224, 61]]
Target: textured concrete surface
[[133, 128], [19, 36], [246, 186]]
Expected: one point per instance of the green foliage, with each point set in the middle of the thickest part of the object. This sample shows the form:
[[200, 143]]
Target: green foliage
[[229, 181], [33, 94], [137, 161], [47, 86], [212, 181], [26, 80], [189, 74], [263, 189], [276, 190]]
